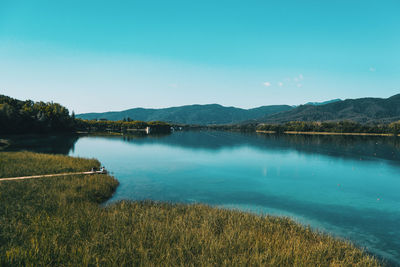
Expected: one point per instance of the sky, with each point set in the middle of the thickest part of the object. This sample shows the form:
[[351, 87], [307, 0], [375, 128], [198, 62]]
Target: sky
[[95, 56]]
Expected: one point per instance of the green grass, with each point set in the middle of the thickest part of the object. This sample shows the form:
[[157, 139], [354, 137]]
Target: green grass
[[59, 222]]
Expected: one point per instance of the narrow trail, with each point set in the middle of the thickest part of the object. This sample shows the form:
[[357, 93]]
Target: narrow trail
[[50, 175]]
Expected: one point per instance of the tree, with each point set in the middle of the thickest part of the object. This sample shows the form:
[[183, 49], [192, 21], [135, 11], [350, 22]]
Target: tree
[[395, 128]]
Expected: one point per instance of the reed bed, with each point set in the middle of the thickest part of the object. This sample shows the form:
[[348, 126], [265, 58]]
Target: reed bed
[[60, 222], [13, 164]]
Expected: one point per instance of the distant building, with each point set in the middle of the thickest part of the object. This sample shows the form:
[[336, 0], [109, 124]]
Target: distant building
[[148, 130]]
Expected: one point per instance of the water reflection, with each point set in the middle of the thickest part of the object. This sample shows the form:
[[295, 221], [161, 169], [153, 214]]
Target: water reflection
[[51, 143], [346, 185], [356, 147]]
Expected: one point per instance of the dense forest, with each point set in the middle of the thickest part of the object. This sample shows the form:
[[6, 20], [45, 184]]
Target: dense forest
[[18, 116]]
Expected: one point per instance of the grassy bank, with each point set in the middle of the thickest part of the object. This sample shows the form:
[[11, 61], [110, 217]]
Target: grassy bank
[[28, 163], [58, 221]]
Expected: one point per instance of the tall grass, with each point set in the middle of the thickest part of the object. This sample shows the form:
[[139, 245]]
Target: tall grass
[[59, 222], [13, 164]]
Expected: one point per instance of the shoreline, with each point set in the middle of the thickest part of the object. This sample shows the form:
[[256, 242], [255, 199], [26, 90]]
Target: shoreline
[[156, 221], [327, 133]]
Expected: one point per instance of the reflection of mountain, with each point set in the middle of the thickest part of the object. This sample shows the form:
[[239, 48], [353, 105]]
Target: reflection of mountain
[[356, 147], [55, 144]]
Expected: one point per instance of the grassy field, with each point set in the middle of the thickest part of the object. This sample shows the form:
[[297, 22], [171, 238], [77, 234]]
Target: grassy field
[[59, 222]]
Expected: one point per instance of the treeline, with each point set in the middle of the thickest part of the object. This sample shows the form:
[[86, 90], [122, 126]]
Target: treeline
[[18, 116], [336, 127], [121, 126], [302, 126], [248, 127]]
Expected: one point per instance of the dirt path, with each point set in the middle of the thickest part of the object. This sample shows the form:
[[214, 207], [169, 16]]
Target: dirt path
[[49, 175]]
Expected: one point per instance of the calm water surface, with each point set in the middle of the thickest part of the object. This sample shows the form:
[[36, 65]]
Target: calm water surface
[[347, 186]]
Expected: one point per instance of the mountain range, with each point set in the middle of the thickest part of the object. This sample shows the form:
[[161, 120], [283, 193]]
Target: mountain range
[[191, 114], [363, 110], [323, 103]]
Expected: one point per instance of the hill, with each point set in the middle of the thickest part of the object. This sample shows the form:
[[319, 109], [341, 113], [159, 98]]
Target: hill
[[362, 110], [323, 103], [191, 114]]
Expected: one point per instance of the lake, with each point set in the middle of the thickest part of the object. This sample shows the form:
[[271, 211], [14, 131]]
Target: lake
[[348, 186]]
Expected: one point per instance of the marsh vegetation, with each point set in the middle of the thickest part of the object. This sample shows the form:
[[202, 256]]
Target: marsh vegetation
[[60, 222]]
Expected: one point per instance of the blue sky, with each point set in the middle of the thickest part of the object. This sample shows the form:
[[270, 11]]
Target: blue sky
[[113, 55]]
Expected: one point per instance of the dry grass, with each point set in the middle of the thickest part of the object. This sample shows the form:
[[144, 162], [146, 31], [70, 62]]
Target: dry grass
[[59, 222], [16, 164]]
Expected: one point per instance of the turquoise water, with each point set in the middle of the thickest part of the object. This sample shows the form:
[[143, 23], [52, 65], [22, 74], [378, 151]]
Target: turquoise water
[[346, 186]]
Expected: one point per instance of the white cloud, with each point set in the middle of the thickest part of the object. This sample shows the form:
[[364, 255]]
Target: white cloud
[[173, 85], [280, 84], [299, 85], [267, 84], [296, 79], [372, 69], [301, 76]]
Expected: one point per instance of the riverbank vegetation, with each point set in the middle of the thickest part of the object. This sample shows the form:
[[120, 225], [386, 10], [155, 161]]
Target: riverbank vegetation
[[60, 222], [333, 127], [306, 127], [123, 126]]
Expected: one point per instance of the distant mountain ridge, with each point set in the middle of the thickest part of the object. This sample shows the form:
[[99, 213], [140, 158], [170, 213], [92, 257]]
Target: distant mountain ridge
[[323, 103], [191, 114], [362, 110]]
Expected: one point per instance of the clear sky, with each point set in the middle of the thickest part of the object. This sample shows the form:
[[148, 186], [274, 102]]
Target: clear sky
[[112, 55]]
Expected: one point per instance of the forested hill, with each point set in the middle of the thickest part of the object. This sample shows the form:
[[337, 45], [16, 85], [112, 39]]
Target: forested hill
[[18, 116], [191, 114], [362, 110], [323, 103]]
